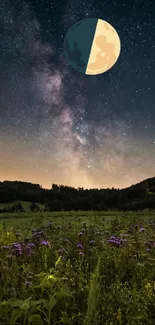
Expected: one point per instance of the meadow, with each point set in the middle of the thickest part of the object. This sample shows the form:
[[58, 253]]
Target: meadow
[[77, 268]]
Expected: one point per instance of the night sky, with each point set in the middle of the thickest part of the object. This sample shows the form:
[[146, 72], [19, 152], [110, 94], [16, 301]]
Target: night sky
[[59, 126]]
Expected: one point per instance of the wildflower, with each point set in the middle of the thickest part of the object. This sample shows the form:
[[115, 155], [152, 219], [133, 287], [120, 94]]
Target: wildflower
[[66, 240], [28, 283], [61, 250], [80, 234], [34, 230], [18, 234], [5, 247], [116, 240], [28, 250], [106, 232], [142, 229], [45, 243], [80, 246], [16, 245], [31, 245], [97, 233], [148, 249], [92, 242], [59, 227], [40, 233], [81, 253], [17, 249], [18, 252]]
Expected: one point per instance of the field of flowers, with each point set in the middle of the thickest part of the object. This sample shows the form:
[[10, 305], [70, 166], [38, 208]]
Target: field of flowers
[[77, 269]]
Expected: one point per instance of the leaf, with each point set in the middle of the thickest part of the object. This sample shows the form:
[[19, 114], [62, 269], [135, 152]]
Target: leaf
[[16, 313], [46, 304], [35, 320], [37, 302], [49, 305], [52, 302], [66, 320], [66, 291]]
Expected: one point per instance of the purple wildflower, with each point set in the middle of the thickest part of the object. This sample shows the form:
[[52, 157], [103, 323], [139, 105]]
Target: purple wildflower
[[18, 252], [16, 245], [28, 250], [31, 245], [142, 229], [116, 240], [17, 249], [92, 242], [45, 243], [5, 247], [80, 246], [62, 250], [40, 232]]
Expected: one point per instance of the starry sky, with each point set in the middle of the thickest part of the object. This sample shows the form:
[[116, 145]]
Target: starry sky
[[59, 126]]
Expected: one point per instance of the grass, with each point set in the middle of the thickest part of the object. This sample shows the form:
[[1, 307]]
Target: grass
[[103, 281], [25, 205]]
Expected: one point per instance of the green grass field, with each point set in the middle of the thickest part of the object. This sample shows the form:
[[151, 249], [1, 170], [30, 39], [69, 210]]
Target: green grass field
[[25, 205], [85, 268]]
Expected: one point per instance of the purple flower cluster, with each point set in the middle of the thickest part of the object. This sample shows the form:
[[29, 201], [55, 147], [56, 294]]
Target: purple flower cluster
[[37, 233], [29, 248], [17, 250], [116, 241]]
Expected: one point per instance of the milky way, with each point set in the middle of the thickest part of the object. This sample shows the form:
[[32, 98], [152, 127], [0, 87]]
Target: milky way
[[58, 126]]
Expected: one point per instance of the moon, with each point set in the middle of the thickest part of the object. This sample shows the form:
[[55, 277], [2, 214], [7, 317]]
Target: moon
[[92, 46], [105, 49]]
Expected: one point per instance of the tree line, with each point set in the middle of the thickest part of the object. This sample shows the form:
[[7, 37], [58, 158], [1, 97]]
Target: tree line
[[60, 197]]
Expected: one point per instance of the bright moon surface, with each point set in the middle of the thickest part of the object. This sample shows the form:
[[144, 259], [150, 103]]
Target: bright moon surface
[[105, 49]]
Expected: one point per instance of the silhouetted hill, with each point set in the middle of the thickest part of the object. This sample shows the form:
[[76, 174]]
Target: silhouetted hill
[[148, 184], [59, 197]]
